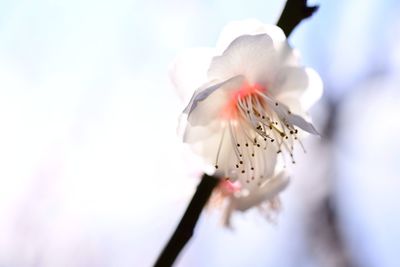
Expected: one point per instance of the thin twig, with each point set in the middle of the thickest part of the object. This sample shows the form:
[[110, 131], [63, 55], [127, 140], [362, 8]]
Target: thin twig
[[184, 231], [293, 13]]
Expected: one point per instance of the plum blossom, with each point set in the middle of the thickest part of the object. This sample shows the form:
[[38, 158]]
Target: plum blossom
[[265, 196], [249, 107]]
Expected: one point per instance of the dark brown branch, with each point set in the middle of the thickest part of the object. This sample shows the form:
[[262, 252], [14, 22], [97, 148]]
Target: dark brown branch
[[293, 13], [184, 231]]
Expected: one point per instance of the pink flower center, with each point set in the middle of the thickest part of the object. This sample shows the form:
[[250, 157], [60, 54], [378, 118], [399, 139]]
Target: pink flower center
[[228, 188], [230, 110]]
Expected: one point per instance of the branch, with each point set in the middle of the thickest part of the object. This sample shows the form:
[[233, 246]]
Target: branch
[[184, 231], [293, 13]]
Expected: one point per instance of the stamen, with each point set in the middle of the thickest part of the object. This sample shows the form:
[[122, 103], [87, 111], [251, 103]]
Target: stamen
[[234, 141], [219, 147], [259, 120]]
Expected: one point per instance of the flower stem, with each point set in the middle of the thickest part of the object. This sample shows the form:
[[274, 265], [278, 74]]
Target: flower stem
[[293, 13], [184, 230]]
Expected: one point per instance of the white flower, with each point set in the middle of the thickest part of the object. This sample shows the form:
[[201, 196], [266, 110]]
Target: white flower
[[264, 196], [250, 104]]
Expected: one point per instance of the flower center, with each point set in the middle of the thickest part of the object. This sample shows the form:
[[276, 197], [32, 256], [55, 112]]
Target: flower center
[[231, 111], [253, 120]]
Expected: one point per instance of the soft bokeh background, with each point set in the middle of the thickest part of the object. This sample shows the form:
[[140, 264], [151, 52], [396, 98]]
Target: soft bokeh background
[[93, 174]]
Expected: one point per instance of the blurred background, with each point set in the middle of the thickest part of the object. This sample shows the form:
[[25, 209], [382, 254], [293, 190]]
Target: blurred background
[[93, 174]]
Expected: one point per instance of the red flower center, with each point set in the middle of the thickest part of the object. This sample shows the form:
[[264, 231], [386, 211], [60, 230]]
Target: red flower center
[[230, 111]]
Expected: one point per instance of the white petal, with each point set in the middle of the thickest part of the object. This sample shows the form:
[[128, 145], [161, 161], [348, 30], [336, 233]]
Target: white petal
[[247, 27], [314, 90], [266, 192], [202, 93], [302, 124], [290, 81], [252, 56], [294, 105], [266, 169], [189, 70], [303, 84], [199, 133], [270, 157], [208, 148], [283, 112], [226, 217], [206, 104]]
